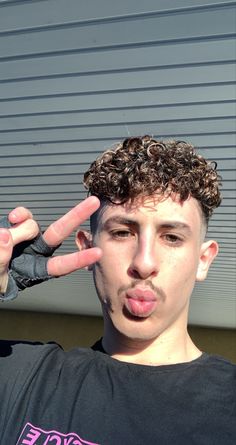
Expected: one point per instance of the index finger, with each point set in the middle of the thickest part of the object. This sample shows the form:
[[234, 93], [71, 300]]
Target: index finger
[[63, 227]]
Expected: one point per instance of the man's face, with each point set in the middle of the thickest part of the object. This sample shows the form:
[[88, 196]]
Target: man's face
[[152, 256]]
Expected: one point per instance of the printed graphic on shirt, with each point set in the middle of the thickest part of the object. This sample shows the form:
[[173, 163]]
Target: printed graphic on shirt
[[32, 435]]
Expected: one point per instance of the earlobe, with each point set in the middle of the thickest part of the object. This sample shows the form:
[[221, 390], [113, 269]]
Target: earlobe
[[209, 250]]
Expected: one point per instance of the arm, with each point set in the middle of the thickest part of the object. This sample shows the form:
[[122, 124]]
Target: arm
[[20, 227]]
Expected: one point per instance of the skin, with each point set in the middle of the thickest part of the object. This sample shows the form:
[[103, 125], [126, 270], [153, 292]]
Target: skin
[[155, 246], [24, 227]]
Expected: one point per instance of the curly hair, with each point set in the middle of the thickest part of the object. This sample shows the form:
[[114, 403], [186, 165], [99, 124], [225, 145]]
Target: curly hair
[[144, 166]]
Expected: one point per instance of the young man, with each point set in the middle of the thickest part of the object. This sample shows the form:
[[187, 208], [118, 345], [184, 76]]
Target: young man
[[145, 381]]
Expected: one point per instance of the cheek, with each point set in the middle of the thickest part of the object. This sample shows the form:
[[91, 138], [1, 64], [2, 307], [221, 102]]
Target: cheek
[[114, 259], [108, 273], [180, 270], [185, 260]]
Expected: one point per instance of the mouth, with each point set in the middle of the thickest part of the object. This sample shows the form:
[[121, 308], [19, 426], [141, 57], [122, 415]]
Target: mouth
[[140, 302]]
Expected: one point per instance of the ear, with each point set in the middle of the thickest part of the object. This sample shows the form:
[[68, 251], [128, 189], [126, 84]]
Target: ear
[[83, 240], [209, 250]]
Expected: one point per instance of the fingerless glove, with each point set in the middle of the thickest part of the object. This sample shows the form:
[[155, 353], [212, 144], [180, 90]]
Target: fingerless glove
[[28, 265]]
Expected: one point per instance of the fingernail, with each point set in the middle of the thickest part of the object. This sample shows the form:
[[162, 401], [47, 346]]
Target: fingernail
[[4, 236], [13, 217]]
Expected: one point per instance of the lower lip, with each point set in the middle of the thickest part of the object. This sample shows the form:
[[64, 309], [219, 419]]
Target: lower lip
[[140, 308]]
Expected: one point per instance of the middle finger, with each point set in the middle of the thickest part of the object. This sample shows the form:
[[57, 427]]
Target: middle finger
[[63, 227]]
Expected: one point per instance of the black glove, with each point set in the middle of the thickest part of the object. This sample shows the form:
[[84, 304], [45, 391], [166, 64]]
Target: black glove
[[28, 265]]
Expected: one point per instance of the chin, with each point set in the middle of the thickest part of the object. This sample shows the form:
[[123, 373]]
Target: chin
[[138, 329]]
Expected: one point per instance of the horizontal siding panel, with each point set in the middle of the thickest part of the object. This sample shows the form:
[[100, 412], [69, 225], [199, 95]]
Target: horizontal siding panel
[[227, 248], [96, 147], [70, 148], [228, 278], [210, 140], [227, 269], [17, 191], [210, 292], [223, 209], [122, 99], [220, 217], [30, 178], [226, 164], [227, 225], [117, 81], [37, 14], [53, 169], [211, 51], [227, 256], [217, 296], [201, 24], [226, 235], [203, 111], [205, 290], [229, 193], [228, 175], [171, 129], [228, 201], [218, 152], [82, 159], [59, 159], [213, 140], [44, 197], [44, 207]]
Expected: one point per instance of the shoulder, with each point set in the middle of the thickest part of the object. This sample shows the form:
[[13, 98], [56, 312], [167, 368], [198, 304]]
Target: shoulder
[[23, 362], [25, 354], [20, 355], [10, 348], [218, 368], [19, 363], [219, 362]]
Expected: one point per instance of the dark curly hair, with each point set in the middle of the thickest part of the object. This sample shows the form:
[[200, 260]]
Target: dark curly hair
[[144, 166]]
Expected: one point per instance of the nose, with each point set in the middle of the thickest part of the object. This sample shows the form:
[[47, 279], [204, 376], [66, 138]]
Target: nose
[[144, 262]]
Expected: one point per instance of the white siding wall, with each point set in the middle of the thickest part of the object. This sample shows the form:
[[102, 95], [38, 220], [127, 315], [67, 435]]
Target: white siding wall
[[77, 76]]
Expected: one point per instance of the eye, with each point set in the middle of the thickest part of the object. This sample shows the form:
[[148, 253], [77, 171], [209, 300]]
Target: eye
[[120, 234], [171, 238]]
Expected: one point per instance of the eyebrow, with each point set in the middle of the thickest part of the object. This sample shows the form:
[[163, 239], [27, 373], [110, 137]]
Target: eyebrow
[[176, 225], [118, 220], [165, 225]]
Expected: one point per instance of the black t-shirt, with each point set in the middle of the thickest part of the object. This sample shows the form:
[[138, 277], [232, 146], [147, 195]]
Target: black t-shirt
[[52, 397]]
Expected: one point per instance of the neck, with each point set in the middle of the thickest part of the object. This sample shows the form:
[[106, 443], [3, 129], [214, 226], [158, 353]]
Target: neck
[[168, 348]]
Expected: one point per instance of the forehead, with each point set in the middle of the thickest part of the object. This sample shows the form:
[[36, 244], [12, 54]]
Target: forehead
[[154, 209]]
